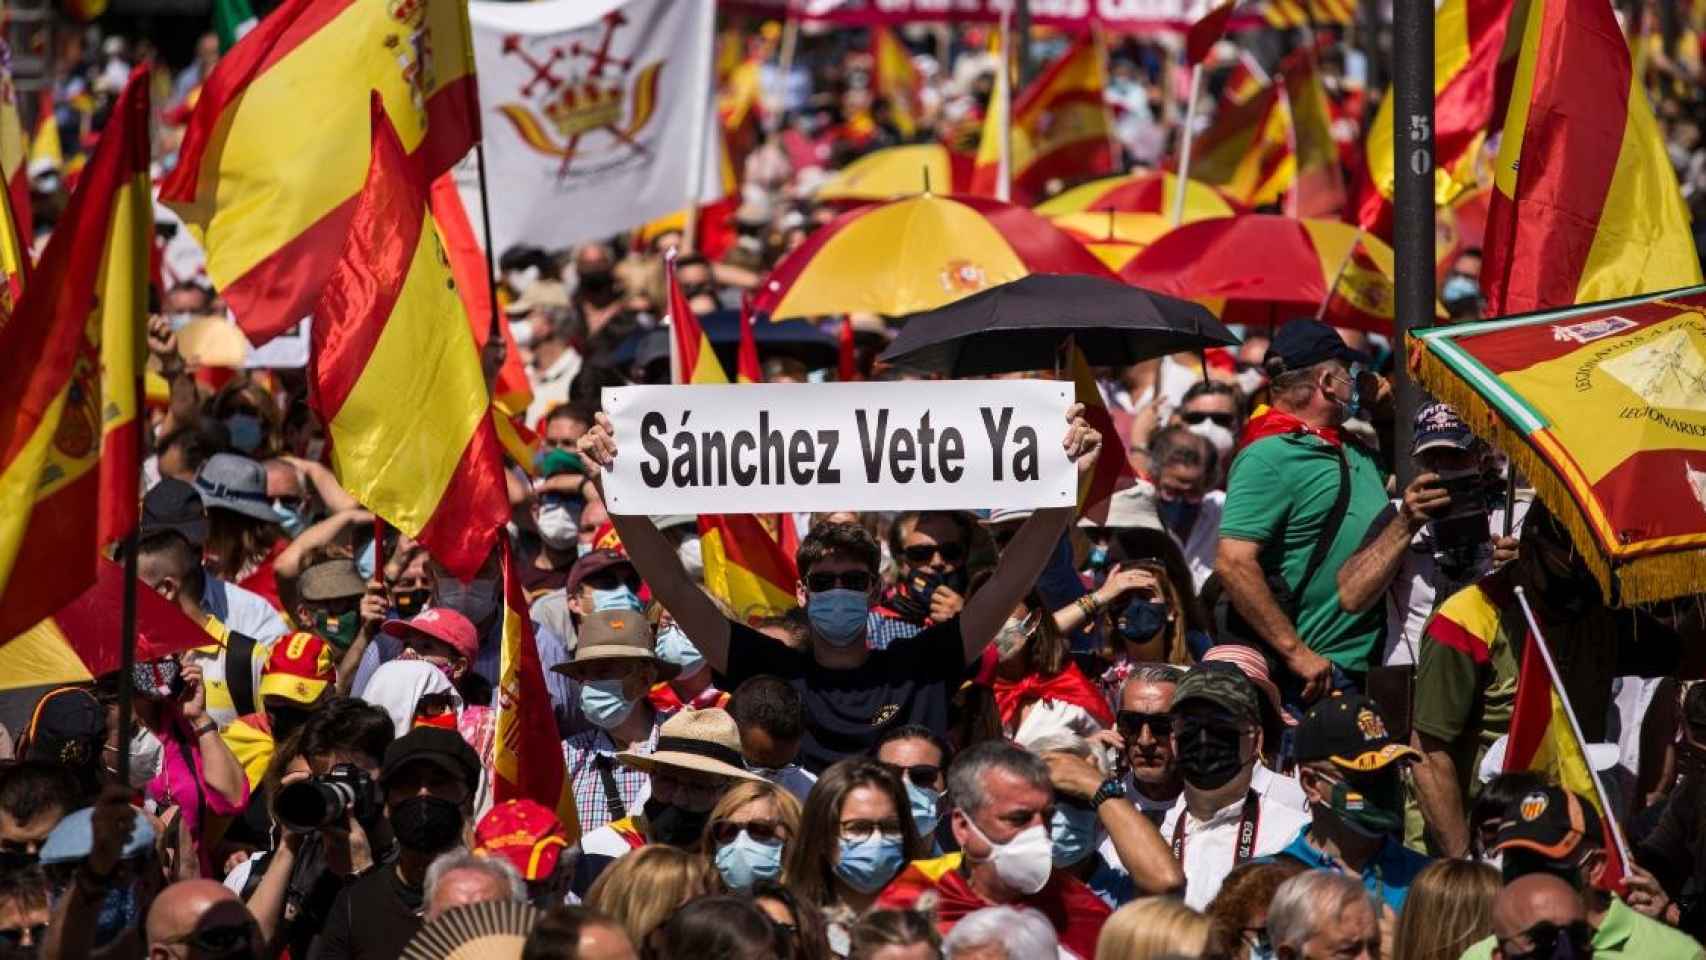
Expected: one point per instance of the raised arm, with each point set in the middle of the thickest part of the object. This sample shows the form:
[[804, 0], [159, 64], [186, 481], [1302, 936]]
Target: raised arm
[[656, 560], [1366, 575]]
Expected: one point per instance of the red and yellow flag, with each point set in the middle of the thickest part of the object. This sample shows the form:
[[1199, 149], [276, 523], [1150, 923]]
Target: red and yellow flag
[[17, 229], [1060, 127], [1247, 153], [1207, 31], [276, 150], [747, 368], [46, 154], [744, 565], [691, 358], [1113, 469], [1474, 54], [895, 79], [69, 455], [396, 375], [1318, 188], [1585, 203], [527, 758]]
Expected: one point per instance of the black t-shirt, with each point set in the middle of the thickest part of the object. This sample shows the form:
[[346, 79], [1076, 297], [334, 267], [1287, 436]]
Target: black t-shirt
[[373, 919], [912, 681]]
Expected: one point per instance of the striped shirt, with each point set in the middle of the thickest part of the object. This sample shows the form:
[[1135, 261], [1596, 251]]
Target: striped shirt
[[587, 756]]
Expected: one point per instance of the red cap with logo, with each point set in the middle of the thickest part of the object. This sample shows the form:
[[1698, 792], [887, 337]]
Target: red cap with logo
[[442, 624], [523, 832]]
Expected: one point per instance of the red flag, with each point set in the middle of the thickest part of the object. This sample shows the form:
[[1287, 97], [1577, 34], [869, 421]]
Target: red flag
[[1113, 469], [528, 758], [847, 363], [511, 391], [691, 359], [1205, 33], [747, 369], [744, 565]]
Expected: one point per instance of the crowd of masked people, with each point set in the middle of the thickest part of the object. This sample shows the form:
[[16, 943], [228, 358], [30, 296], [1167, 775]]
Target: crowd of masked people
[[1252, 705]]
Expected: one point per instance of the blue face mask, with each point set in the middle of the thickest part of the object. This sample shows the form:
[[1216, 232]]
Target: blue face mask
[[926, 808], [839, 615], [291, 519], [583, 548], [616, 598], [1178, 516], [1073, 834], [245, 431], [364, 561], [674, 647], [119, 912], [744, 861], [602, 703], [1141, 620], [1458, 286], [870, 864], [1098, 556]]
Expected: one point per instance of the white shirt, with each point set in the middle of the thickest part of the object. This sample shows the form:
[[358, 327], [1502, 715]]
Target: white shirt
[[1204, 540], [551, 386], [1279, 788], [1420, 586], [1211, 845]]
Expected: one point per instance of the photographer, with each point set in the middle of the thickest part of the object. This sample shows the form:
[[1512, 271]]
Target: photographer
[[290, 890], [428, 782]]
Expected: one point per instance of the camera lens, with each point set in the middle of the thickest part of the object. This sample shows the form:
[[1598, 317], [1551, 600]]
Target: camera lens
[[311, 804]]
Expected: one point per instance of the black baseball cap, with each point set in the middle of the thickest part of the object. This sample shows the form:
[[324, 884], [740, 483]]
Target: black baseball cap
[[444, 749], [1550, 821], [68, 727], [596, 562], [1305, 342], [174, 506], [1349, 731]]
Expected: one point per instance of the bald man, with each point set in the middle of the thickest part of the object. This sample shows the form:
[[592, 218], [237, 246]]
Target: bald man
[[201, 920], [1538, 914]]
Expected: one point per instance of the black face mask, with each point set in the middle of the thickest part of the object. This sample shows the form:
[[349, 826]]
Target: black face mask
[[11, 861], [673, 825], [1209, 754], [427, 824], [597, 285], [285, 721], [412, 602]]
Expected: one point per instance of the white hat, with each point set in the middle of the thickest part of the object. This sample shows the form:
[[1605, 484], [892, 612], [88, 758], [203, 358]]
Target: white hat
[[1132, 508], [1601, 756]]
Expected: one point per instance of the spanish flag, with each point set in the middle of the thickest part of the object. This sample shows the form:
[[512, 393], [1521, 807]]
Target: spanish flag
[[1113, 469], [396, 376], [1072, 908], [1247, 153], [18, 228], [747, 369], [1207, 31], [1060, 127], [745, 567], [1585, 204], [691, 358], [46, 154], [1318, 185], [69, 457], [527, 757], [276, 150], [1474, 54], [895, 79]]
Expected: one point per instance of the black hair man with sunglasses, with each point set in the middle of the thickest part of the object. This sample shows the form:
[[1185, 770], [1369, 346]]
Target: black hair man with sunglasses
[[929, 550], [851, 692]]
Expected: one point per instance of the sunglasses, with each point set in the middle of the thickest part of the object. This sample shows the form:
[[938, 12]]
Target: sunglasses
[[847, 579], [14, 936], [220, 940], [605, 580], [1130, 723], [1194, 417], [1545, 936], [724, 832], [918, 774], [921, 553]]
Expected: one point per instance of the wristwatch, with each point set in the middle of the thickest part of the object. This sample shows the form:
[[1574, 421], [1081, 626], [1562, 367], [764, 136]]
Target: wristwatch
[[1110, 789]]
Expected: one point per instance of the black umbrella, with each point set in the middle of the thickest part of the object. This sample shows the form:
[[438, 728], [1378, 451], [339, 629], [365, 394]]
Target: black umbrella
[[1022, 325], [798, 339]]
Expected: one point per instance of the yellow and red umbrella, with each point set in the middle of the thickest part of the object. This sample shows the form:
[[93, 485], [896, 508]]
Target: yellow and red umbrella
[[1147, 191], [1262, 270], [916, 254], [1113, 237], [1603, 409], [898, 172]]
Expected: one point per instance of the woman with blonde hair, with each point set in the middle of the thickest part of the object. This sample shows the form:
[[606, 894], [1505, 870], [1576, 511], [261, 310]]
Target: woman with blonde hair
[[1154, 927], [643, 888], [1449, 906], [748, 834]]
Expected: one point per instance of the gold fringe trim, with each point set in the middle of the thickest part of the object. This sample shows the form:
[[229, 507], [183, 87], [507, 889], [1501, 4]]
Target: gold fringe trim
[[1648, 579]]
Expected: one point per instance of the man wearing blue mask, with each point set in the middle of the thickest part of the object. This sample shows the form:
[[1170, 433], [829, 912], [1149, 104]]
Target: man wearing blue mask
[[852, 693], [614, 666]]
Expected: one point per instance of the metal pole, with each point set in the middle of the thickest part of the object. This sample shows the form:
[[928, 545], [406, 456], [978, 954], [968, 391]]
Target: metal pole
[[486, 225], [1413, 201], [1004, 97], [1022, 27], [1186, 132], [127, 622]]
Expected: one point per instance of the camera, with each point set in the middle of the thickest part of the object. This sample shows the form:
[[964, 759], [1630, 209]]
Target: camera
[[324, 801], [1460, 534]]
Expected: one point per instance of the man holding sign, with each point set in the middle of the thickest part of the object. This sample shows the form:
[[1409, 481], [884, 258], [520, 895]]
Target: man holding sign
[[852, 694]]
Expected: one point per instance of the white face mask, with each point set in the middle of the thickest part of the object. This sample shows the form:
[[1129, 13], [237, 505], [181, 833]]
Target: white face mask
[[520, 280], [522, 333], [1214, 433], [558, 526], [1023, 863], [147, 756], [691, 559]]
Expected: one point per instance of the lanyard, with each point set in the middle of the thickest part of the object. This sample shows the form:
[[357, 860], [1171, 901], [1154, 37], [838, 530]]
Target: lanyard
[[1248, 820]]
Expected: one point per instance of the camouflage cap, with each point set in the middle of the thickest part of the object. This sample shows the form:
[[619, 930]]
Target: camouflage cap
[[1223, 685]]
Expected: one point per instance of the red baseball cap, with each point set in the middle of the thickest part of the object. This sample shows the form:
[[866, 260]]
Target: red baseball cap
[[442, 624], [523, 832]]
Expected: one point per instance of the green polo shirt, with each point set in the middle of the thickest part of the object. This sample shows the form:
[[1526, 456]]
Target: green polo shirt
[[1279, 494], [1624, 933]]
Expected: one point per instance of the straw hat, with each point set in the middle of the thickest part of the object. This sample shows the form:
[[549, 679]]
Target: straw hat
[[703, 741]]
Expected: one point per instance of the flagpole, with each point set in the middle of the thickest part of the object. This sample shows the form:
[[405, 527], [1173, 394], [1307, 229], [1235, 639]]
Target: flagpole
[[127, 622], [1290, 145], [1186, 135], [486, 226], [1575, 727], [1004, 96], [701, 150]]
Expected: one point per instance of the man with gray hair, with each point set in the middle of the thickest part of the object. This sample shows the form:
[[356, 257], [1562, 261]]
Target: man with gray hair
[[1145, 727], [1002, 933], [1323, 915], [1004, 802], [459, 878]]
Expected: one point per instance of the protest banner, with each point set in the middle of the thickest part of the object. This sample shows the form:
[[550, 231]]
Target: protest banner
[[961, 444]]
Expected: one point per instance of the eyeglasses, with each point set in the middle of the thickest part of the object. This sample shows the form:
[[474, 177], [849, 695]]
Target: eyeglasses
[[219, 940], [1194, 417], [859, 831], [14, 936], [918, 774], [724, 832], [1544, 937], [1130, 723], [847, 579], [921, 553]]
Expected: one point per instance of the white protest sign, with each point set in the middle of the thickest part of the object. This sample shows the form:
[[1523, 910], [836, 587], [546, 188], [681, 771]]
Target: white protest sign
[[766, 448]]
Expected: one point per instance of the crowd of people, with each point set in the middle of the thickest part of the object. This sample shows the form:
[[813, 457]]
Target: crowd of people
[[1256, 708]]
